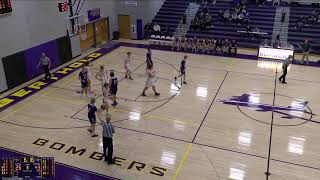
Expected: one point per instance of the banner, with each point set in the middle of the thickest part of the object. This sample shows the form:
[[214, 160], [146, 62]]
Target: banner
[[131, 3], [94, 14]]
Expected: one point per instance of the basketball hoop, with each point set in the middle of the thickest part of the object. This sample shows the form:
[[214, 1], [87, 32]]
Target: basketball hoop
[[75, 24]]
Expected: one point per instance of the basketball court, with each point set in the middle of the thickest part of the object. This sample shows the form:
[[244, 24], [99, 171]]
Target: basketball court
[[218, 126]]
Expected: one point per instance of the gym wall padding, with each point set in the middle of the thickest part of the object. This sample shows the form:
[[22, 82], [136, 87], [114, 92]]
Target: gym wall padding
[[22, 66], [32, 57], [64, 49], [14, 68]]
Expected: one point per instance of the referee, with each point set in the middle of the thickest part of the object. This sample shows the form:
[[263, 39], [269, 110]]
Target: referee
[[46, 63], [285, 66], [107, 134]]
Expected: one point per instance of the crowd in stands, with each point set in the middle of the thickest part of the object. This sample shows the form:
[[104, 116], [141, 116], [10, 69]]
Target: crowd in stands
[[155, 29], [238, 15], [206, 46], [202, 20], [304, 21]]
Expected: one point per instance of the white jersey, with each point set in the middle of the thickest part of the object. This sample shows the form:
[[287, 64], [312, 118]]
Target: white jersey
[[89, 73], [103, 75], [127, 64], [151, 73]]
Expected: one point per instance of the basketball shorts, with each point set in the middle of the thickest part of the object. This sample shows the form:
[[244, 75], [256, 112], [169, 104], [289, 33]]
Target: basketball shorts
[[150, 82], [92, 120], [113, 92], [84, 84]]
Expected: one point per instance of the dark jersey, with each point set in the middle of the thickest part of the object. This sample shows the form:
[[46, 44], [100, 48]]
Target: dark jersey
[[183, 65], [149, 59], [83, 75], [92, 111], [114, 84]]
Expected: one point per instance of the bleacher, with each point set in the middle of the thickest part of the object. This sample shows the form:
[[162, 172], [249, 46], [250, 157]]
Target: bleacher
[[311, 32], [171, 13], [263, 17]]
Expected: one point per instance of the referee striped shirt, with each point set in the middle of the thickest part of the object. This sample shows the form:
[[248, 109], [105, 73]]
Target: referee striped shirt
[[108, 129]]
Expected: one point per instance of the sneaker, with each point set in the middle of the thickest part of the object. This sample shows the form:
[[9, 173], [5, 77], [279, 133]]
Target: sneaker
[[94, 135], [175, 78], [184, 82], [126, 77], [279, 80], [90, 130], [114, 104], [130, 78], [111, 162], [156, 94], [284, 82], [143, 94]]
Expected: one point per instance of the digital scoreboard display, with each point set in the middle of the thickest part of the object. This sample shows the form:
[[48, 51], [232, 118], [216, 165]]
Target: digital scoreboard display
[[5, 6], [27, 167]]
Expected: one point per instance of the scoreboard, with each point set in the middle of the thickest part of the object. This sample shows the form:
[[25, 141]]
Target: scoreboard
[[27, 167], [5, 6]]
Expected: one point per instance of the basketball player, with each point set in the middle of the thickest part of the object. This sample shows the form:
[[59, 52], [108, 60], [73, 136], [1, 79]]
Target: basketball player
[[150, 81], [149, 57], [92, 109], [83, 77], [87, 64], [102, 76], [113, 88], [182, 70], [127, 66]]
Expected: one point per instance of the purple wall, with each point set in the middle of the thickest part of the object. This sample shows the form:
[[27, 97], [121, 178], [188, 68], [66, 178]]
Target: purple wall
[[32, 57]]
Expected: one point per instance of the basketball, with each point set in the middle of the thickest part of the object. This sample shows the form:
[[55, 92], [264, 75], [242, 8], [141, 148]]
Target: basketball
[[103, 107]]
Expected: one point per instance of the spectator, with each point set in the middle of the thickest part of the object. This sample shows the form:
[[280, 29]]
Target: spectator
[[277, 44], [219, 46], [290, 46], [203, 26], [214, 2], [225, 46], [156, 29], [265, 42], [256, 34], [226, 16], [220, 16], [234, 47], [313, 18], [208, 19], [306, 50], [244, 10], [283, 16], [234, 17], [248, 30], [299, 23], [237, 8], [166, 31], [241, 18], [276, 3]]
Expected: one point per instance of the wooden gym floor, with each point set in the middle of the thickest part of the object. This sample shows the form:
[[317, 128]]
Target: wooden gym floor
[[187, 132]]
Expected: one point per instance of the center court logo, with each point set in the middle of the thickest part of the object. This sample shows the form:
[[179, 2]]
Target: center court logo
[[297, 110]]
